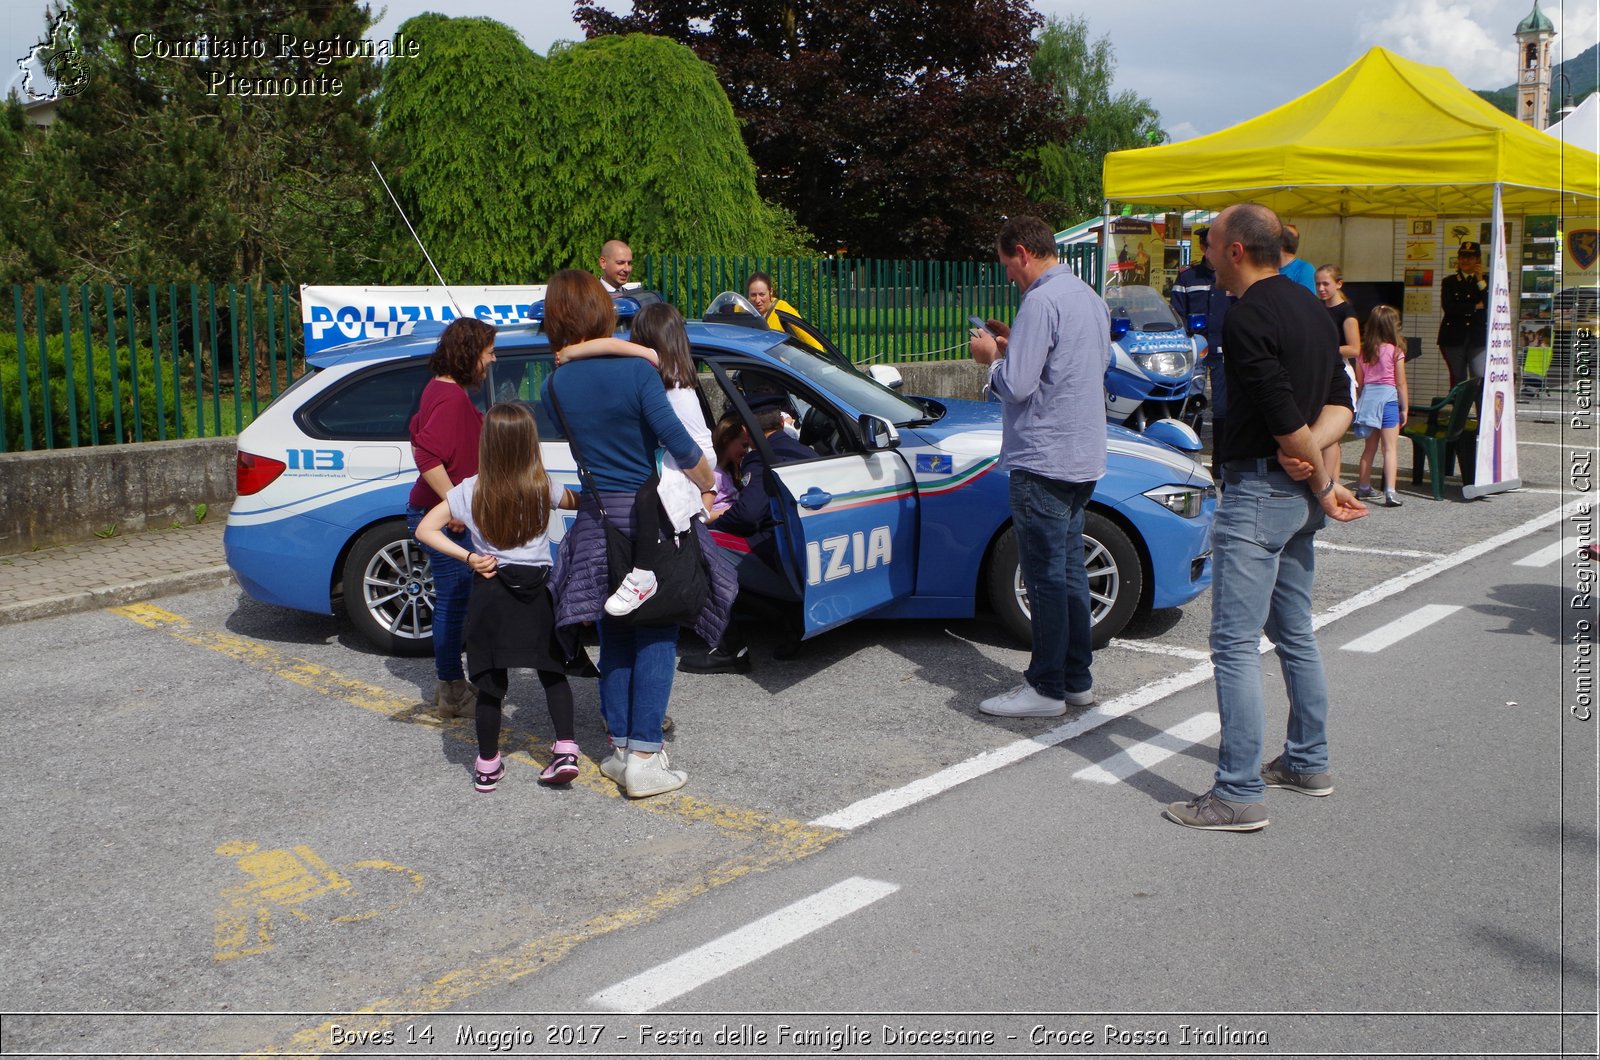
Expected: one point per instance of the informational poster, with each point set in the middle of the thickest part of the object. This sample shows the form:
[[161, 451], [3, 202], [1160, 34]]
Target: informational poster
[[1497, 422], [1418, 303], [1138, 254]]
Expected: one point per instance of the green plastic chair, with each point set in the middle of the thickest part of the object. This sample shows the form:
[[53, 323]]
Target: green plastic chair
[[1449, 435]]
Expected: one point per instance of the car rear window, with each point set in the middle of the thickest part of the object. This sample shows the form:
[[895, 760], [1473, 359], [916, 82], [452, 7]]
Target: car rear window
[[372, 406]]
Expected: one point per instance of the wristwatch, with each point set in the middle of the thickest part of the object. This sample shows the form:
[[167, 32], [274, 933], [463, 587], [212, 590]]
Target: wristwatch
[[1324, 491]]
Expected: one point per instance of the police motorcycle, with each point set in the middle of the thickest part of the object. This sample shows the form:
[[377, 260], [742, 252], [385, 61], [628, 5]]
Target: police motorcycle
[[1155, 383]]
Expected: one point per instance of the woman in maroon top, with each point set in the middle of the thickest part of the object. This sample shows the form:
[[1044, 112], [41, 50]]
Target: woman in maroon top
[[444, 443]]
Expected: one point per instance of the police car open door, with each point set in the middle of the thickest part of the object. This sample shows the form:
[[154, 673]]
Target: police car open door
[[850, 521]]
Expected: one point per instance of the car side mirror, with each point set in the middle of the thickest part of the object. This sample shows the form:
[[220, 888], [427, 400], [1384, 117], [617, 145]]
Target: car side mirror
[[1120, 326], [878, 432]]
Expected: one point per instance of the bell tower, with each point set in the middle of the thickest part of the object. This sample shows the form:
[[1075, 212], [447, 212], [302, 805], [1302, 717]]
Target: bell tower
[[1534, 35]]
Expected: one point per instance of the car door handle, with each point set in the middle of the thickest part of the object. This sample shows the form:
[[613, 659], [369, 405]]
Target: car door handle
[[815, 498]]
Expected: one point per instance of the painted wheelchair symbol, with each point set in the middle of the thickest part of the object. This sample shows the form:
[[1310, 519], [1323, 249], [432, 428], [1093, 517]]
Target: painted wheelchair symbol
[[288, 880]]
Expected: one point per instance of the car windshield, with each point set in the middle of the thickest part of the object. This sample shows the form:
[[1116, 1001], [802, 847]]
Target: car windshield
[[859, 391], [1143, 307]]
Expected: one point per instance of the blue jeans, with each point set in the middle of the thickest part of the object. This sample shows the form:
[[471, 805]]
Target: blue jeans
[[452, 584], [1047, 515], [1261, 568], [636, 665]]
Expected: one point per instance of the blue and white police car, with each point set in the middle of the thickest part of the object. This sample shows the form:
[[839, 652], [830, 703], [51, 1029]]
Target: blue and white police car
[[904, 512]]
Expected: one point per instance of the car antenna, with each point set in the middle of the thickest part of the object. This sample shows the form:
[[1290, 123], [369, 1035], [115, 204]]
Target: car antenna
[[401, 211]]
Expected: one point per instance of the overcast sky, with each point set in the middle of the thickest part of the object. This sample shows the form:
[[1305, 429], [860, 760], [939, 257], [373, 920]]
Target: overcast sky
[[1205, 66]]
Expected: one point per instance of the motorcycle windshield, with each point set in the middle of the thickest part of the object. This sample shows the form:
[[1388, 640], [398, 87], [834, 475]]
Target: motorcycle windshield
[[1143, 308]]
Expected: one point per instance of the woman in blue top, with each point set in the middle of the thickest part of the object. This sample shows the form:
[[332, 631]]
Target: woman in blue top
[[618, 413]]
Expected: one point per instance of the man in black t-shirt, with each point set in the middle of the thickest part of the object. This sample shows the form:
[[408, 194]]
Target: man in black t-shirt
[[1288, 399]]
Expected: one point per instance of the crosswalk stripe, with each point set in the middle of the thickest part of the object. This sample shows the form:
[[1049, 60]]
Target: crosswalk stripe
[[655, 987], [1544, 557], [1151, 648], [1158, 748], [1402, 553], [1402, 627]]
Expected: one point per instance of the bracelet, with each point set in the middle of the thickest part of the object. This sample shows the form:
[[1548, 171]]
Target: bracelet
[[1324, 491]]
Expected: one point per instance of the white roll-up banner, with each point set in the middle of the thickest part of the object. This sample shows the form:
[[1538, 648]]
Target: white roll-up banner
[[331, 316]]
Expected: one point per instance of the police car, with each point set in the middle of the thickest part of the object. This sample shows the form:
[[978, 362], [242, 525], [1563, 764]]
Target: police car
[[903, 514]]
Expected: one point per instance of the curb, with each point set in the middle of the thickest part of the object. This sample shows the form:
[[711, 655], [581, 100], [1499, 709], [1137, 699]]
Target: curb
[[116, 595]]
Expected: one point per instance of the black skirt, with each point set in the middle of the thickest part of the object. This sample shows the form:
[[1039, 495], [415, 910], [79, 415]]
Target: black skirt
[[511, 622]]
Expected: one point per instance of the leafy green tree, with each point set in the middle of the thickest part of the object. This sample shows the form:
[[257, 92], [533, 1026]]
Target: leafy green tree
[[1079, 73], [457, 149], [176, 167], [635, 140], [893, 127], [528, 164]]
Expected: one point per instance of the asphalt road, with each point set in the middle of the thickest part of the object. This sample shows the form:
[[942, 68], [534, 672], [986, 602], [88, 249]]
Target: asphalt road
[[229, 827]]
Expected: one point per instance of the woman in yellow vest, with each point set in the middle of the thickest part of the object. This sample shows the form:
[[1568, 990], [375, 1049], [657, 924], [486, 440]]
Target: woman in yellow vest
[[764, 296]]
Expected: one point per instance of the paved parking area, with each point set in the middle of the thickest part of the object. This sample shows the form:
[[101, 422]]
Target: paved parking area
[[221, 807]]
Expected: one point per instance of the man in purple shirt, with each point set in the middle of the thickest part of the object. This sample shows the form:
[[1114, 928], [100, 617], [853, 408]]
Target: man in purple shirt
[[1048, 369]]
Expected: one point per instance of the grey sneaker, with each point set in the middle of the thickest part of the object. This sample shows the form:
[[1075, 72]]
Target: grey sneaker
[[1216, 814], [1391, 499], [1277, 775]]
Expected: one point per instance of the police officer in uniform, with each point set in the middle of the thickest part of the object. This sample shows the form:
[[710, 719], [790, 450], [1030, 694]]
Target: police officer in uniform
[[763, 587]]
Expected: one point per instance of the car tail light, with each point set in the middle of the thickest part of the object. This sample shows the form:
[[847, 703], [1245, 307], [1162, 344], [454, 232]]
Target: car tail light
[[253, 473]]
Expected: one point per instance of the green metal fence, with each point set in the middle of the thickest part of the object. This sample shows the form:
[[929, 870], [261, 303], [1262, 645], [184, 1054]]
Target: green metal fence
[[92, 364], [873, 310]]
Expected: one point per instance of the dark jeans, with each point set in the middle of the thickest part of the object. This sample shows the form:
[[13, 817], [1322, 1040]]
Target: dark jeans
[[1047, 515], [452, 584]]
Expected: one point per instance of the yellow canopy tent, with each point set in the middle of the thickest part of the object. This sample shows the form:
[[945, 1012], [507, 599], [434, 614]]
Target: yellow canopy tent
[[1386, 137]]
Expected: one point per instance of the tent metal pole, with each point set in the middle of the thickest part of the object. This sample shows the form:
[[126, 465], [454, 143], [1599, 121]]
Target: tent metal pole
[[1105, 244]]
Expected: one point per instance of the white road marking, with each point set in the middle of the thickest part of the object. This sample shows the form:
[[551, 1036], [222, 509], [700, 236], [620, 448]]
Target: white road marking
[[1403, 553], [1544, 557], [1160, 649], [1158, 748], [1541, 489], [1555, 445], [1402, 627], [887, 802], [657, 986]]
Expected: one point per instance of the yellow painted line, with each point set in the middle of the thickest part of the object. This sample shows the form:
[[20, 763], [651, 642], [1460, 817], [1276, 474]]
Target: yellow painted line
[[460, 986], [776, 840]]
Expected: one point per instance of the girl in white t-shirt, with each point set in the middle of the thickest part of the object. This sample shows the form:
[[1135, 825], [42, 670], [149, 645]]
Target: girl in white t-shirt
[[659, 336], [506, 508]]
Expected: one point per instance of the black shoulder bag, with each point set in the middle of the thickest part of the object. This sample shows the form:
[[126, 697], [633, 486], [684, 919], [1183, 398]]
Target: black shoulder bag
[[683, 580]]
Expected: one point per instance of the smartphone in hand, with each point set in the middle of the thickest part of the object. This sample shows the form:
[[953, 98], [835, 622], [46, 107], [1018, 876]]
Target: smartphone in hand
[[978, 324]]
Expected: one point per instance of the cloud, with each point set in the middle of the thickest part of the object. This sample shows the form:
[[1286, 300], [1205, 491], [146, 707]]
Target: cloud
[[1452, 35]]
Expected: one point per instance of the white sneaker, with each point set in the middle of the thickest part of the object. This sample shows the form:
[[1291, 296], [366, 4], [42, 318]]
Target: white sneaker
[[1081, 699], [636, 588], [614, 766], [651, 776], [1023, 702]]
